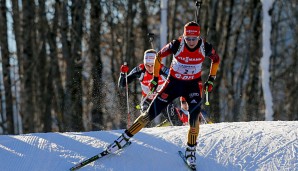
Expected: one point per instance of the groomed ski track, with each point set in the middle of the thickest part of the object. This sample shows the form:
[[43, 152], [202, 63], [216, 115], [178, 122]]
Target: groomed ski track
[[223, 146]]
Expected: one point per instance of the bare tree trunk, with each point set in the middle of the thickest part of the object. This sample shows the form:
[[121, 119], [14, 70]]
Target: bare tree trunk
[[253, 86], [117, 41], [19, 48], [75, 86], [225, 44], [58, 99], [284, 58], [213, 36], [28, 111], [65, 40], [72, 49], [130, 49], [173, 21], [146, 45], [292, 94], [2, 117], [18, 32], [44, 86], [6, 68], [97, 96], [144, 25], [292, 80]]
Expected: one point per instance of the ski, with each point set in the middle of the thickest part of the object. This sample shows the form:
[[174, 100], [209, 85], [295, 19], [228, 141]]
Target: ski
[[191, 167], [96, 157]]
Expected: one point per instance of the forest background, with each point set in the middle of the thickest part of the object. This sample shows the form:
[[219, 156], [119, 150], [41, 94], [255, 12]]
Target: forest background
[[60, 60]]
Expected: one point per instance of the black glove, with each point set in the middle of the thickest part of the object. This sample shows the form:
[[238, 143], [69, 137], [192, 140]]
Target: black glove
[[153, 84], [208, 86]]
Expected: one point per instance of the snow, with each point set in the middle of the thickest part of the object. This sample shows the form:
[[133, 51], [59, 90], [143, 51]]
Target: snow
[[263, 145]]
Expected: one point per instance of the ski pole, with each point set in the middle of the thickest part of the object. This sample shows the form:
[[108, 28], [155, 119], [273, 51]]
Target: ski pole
[[151, 38], [127, 102], [205, 122], [207, 100], [198, 5], [144, 99]]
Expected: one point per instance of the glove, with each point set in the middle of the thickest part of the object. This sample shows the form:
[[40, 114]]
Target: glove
[[153, 84], [209, 83], [124, 68]]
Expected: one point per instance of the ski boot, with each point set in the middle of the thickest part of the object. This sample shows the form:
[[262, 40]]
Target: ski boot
[[190, 155], [119, 143]]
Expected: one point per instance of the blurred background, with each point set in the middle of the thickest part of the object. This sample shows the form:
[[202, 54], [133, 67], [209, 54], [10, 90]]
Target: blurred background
[[60, 59]]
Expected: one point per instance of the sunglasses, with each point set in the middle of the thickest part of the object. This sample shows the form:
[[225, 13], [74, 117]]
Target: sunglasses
[[147, 65], [191, 38]]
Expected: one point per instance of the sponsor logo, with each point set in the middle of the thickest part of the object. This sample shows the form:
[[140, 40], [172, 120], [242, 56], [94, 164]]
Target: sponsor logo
[[188, 59], [191, 95], [191, 31], [193, 101], [186, 77]]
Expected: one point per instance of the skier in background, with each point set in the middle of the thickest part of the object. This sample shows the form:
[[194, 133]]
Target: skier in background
[[179, 116], [143, 72], [189, 51]]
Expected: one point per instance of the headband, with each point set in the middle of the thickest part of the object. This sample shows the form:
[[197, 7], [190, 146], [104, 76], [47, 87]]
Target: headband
[[191, 31], [149, 58]]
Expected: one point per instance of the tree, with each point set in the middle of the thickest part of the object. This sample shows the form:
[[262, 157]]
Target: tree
[[6, 70], [69, 54], [97, 66], [55, 82], [28, 56], [74, 66]]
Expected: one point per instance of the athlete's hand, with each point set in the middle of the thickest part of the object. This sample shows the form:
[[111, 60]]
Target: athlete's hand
[[209, 83], [153, 84], [124, 68]]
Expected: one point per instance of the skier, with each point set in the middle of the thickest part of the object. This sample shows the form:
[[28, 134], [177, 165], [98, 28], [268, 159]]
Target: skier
[[184, 111], [179, 116], [189, 52], [144, 73]]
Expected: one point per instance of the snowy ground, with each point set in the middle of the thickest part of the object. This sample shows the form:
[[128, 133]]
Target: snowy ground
[[225, 146]]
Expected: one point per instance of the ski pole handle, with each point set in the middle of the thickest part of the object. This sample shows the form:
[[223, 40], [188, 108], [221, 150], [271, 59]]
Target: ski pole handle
[[207, 100]]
